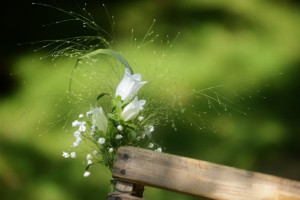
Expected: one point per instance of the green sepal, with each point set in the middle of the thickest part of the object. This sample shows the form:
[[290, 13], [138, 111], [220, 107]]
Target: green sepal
[[102, 95]]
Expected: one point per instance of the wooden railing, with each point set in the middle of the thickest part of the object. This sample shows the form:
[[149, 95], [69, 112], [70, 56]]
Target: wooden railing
[[135, 168]]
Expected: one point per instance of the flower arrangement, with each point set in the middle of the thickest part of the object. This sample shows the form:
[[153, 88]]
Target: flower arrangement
[[123, 125]]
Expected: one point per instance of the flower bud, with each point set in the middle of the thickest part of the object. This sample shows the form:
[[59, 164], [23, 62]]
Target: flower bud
[[131, 111]]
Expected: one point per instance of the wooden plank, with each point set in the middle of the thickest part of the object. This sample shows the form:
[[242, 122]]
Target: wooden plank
[[199, 178]]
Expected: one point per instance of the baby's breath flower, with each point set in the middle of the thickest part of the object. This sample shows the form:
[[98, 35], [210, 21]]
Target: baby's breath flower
[[95, 152], [65, 154], [151, 128], [77, 134], [88, 156], [89, 162], [140, 118], [101, 140], [132, 109], [159, 149], [75, 144], [82, 127], [129, 85], [111, 150], [151, 145], [118, 137], [76, 123], [120, 127], [80, 116], [73, 154], [86, 174]]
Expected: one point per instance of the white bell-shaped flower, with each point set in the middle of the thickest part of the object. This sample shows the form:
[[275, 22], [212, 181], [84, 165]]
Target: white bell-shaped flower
[[129, 86], [99, 119], [131, 111]]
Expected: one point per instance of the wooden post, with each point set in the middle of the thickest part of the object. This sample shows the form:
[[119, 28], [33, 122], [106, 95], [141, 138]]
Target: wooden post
[[126, 191], [199, 178]]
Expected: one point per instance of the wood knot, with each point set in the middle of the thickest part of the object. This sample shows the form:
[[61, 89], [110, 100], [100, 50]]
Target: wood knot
[[125, 156], [123, 172], [118, 198]]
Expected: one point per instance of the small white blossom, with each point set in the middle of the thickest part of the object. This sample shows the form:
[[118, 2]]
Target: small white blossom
[[75, 144], [76, 123], [99, 119], [159, 149], [65, 154], [151, 145], [78, 140], [73, 154], [77, 134], [140, 118], [93, 129], [89, 162], [101, 140], [95, 152], [151, 128], [118, 137], [111, 150], [120, 128], [81, 116], [88, 113], [132, 109], [129, 85], [88, 156], [82, 127], [86, 174]]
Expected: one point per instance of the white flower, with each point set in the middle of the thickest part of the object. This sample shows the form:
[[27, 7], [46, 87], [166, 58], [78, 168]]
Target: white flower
[[111, 150], [151, 128], [99, 119], [93, 129], [95, 152], [101, 140], [73, 154], [86, 174], [129, 85], [140, 118], [118, 137], [89, 162], [82, 127], [77, 142], [159, 149], [80, 116], [76, 123], [88, 113], [88, 156], [77, 134], [132, 109], [120, 128], [151, 145], [65, 154]]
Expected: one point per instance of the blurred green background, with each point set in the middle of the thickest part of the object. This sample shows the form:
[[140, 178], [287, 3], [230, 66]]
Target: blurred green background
[[252, 41]]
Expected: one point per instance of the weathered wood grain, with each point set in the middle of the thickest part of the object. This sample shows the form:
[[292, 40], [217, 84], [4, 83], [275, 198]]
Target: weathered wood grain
[[200, 178], [126, 191]]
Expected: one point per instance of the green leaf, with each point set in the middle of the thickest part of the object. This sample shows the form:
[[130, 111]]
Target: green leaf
[[110, 53], [133, 134]]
